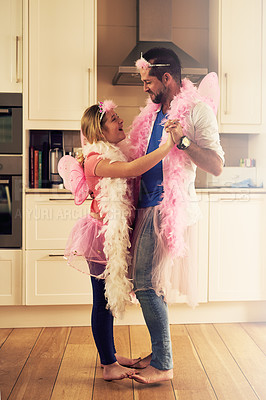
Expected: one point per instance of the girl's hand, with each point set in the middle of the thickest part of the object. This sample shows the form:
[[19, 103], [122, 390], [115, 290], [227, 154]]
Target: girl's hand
[[175, 129]]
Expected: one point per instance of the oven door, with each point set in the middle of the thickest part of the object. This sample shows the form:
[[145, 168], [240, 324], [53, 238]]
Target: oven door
[[10, 211], [10, 130]]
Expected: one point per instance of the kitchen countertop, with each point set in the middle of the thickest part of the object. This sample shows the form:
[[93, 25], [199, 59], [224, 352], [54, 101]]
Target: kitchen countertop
[[198, 190]]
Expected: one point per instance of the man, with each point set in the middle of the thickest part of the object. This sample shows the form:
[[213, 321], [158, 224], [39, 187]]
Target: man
[[167, 209]]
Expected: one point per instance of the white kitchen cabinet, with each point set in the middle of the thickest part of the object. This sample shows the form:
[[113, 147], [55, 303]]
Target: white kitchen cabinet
[[10, 277], [11, 46], [49, 280], [202, 247], [61, 60], [235, 39], [50, 218], [237, 250]]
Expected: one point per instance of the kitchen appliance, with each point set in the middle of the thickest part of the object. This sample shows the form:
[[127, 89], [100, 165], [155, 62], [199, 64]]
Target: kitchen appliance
[[10, 201], [154, 29], [10, 123], [55, 179]]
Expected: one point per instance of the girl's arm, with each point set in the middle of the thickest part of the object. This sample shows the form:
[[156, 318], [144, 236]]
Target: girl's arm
[[123, 169]]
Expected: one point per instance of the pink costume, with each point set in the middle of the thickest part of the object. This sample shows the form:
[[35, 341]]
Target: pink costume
[[105, 240], [174, 261]]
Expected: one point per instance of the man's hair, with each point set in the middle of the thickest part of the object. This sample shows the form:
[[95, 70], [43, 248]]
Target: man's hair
[[162, 55]]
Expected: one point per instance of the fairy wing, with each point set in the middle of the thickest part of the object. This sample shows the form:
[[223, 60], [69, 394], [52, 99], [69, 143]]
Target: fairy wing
[[74, 178], [210, 91]]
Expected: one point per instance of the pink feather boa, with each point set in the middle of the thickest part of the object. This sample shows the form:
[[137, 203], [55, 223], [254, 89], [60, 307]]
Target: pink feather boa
[[174, 206]]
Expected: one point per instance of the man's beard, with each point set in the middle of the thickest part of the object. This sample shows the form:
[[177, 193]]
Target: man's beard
[[158, 97]]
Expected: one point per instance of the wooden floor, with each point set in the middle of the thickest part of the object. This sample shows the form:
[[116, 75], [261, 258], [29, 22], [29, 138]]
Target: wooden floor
[[211, 361]]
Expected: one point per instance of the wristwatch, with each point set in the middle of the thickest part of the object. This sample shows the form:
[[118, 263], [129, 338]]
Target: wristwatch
[[184, 143]]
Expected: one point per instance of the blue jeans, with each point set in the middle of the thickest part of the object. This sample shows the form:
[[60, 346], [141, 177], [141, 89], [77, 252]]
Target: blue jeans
[[155, 310]]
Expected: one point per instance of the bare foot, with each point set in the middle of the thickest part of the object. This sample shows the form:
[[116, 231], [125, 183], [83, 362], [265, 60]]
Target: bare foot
[[143, 362], [127, 362], [116, 371], [152, 375], [124, 361]]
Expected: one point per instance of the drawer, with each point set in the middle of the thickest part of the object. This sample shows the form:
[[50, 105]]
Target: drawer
[[49, 280], [50, 218]]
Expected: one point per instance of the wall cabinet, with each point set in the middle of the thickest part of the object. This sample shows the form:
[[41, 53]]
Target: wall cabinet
[[237, 252], [11, 46], [235, 38], [10, 277], [61, 60], [49, 280]]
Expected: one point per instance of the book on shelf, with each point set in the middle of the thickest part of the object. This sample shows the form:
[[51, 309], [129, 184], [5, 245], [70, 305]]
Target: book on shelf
[[40, 169], [31, 167], [35, 168]]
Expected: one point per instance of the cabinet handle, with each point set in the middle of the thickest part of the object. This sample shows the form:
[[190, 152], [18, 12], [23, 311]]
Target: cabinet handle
[[56, 255], [226, 94], [17, 61], [61, 199], [89, 81]]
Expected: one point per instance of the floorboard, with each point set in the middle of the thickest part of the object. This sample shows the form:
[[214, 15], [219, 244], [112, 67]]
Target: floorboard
[[77, 371], [13, 356], [223, 372], [211, 362], [37, 378], [190, 380], [257, 331], [249, 357]]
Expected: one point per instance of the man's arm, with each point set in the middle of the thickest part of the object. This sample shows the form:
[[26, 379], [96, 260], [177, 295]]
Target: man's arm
[[205, 159], [204, 150]]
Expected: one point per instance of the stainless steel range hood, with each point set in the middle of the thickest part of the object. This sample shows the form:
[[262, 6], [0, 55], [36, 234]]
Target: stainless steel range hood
[[154, 29]]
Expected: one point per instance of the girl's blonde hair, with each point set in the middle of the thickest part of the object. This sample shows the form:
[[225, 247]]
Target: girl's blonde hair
[[91, 125]]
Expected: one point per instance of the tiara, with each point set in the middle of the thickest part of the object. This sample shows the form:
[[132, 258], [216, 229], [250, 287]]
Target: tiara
[[141, 63], [105, 106]]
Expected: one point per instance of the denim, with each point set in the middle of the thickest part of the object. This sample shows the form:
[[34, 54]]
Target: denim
[[102, 323], [155, 310]]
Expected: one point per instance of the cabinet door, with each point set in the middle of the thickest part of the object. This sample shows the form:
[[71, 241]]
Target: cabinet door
[[10, 277], [50, 218], [11, 45], [49, 280], [240, 62], [62, 59], [237, 266]]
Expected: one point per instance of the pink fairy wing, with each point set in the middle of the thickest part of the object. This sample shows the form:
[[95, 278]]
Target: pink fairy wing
[[209, 89], [74, 178]]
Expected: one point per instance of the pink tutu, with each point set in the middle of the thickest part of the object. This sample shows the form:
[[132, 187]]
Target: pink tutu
[[85, 247]]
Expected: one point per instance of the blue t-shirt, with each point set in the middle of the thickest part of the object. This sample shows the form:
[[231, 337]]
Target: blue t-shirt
[[151, 187]]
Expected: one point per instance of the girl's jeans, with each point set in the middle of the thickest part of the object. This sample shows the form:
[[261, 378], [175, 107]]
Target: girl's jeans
[[102, 323], [154, 308]]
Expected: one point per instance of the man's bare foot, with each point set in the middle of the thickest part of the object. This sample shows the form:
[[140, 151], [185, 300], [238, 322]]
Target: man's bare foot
[[127, 362], [143, 362], [152, 375], [116, 371]]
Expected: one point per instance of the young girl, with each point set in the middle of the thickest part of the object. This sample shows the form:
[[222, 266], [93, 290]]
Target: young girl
[[102, 237]]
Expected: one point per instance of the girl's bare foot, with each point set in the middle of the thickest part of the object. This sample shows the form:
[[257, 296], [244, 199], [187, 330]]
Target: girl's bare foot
[[152, 375], [116, 371], [143, 362]]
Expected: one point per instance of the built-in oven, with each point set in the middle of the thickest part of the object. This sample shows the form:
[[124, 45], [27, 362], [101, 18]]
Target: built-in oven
[[10, 201], [10, 123]]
